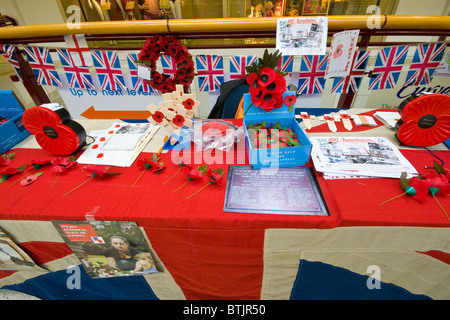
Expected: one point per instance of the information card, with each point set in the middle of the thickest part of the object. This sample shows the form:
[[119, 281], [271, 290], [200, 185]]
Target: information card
[[273, 191]]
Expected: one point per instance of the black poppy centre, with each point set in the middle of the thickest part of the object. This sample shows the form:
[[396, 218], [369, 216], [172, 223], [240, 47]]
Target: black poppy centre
[[427, 121]]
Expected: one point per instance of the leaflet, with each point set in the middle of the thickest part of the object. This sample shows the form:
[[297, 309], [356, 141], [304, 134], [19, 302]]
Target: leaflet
[[359, 156]]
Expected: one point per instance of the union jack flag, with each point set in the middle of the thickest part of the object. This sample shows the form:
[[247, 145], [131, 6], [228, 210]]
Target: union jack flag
[[387, 68], [42, 64], [169, 65], [139, 84], [10, 54], [78, 77], [312, 74], [210, 72], [350, 83], [238, 64], [425, 61], [108, 70], [286, 63]]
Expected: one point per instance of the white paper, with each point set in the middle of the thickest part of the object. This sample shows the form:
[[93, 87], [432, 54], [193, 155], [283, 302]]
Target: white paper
[[389, 119], [119, 145], [302, 35]]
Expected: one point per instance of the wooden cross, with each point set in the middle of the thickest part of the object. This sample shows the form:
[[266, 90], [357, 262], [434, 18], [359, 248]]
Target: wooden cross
[[330, 121]]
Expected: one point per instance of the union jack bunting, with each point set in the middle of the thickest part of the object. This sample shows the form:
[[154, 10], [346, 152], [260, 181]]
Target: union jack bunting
[[425, 61], [139, 85], [42, 65], [387, 68], [108, 70], [78, 49], [312, 74], [351, 83], [238, 64], [169, 65], [210, 72], [78, 77], [286, 63], [10, 54]]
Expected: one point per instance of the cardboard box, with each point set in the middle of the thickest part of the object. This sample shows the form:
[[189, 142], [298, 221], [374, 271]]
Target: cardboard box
[[276, 157], [12, 131]]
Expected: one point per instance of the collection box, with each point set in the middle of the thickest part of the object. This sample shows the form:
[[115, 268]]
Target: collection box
[[12, 131], [292, 156]]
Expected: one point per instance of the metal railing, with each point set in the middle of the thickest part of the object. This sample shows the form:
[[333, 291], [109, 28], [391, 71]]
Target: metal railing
[[371, 28]]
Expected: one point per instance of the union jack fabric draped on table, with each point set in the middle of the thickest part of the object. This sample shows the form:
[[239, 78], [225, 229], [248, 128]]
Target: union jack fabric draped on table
[[351, 83], [78, 77], [10, 54], [139, 85], [108, 70], [210, 72], [425, 61], [42, 65], [387, 68], [238, 64], [312, 74], [286, 63]]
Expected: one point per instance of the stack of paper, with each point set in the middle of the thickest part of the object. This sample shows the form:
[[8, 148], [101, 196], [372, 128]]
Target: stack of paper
[[388, 118], [119, 145], [358, 157]]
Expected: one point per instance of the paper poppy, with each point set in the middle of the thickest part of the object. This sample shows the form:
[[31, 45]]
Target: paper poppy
[[95, 171], [266, 83], [182, 164], [215, 177], [5, 161], [188, 104], [7, 173], [252, 81], [438, 181], [277, 86], [178, 120], [30, 179], [266, 76], [338, 52], [153, 163], [425, 120], [61, 165], [192, 174]]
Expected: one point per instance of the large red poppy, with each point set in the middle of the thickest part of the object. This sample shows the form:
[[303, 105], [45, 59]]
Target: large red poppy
[[425, 120]]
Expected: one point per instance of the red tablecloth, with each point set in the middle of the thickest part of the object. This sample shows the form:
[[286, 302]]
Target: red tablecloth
[[186, 233]]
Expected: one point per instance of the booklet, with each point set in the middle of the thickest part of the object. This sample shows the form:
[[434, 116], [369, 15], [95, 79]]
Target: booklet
[[358, 156], [118, 146], [11, 256], [108, 248], [274, 191]]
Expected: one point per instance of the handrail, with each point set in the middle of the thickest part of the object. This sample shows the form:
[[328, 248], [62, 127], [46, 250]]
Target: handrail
[[214, 26]]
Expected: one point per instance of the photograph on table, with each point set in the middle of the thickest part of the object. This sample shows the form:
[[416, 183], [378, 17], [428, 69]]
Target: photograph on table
[[108, 248], [12, 257]]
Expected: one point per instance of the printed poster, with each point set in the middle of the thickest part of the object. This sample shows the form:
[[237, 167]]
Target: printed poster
[[302, 35], [108, 248], [342, 49]]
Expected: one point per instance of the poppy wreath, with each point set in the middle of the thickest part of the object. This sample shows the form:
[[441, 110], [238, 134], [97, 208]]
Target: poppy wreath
[[267, 82], [151, 52], [425, 120]]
